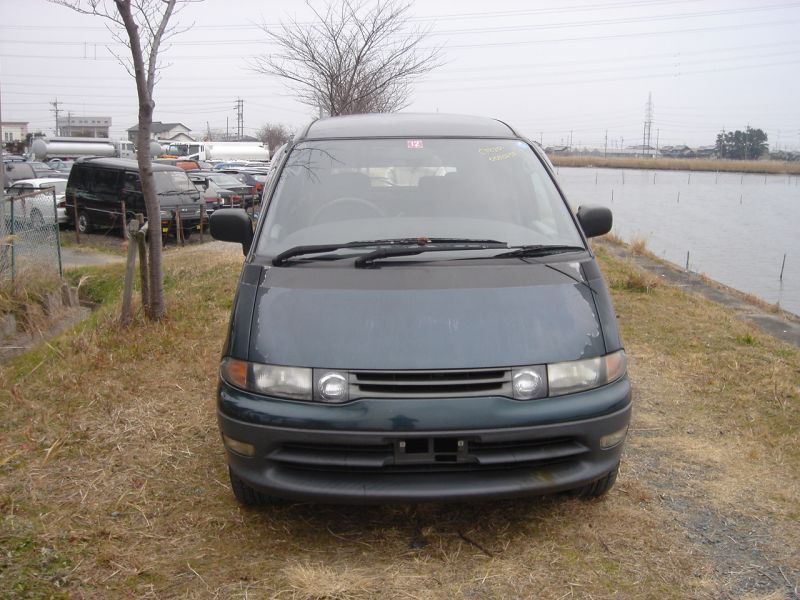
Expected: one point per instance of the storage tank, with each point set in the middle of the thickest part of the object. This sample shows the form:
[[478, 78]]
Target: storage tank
[[236, 151], [71, 147]]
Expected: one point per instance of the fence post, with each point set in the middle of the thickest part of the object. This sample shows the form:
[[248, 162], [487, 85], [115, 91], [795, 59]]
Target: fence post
[[202, 219], [75, 219], [127, 293], [58, 233], [13, 245], [144, 266], [178, 227], [125, 222]]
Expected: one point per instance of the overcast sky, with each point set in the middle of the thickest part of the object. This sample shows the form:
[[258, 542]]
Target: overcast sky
[[551, 68]]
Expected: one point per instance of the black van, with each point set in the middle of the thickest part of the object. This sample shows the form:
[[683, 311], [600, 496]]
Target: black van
[[419, 317], [99, 186]]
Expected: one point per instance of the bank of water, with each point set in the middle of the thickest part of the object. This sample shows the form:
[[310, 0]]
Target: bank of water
[[736, 228]]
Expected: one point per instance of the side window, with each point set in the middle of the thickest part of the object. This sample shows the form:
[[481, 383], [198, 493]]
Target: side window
[[131, 183], [105, 182]]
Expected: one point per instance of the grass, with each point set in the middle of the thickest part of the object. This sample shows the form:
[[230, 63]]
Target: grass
[[113, 480], [680, 164]]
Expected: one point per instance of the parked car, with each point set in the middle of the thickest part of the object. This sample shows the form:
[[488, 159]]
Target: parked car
[[62, 166], [183, 163], [44, 170], [16, 170], [214, 196], [42, 208], [230, 182], [250, 178], [448, 337], [99, 186]]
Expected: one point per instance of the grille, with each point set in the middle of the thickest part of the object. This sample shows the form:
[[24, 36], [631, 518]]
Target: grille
[[431, 455], [430, 384]]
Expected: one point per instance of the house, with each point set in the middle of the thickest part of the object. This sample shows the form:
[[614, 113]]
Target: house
[[72, 126], [174, 132], [14, 131]]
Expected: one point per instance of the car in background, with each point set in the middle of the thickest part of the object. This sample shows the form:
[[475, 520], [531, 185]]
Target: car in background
[[250, 178], [44, 170], [60, 165], [230, 182], [15, 170], [183, 163], [213, 195], [104, 191], [38, 209]]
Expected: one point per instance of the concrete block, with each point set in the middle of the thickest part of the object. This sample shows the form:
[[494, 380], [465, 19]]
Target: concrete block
[[69, 296]]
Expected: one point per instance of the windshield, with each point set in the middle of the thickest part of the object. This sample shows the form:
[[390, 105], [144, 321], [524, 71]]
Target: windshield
[[227, 181], [173, 181], [338, 191]]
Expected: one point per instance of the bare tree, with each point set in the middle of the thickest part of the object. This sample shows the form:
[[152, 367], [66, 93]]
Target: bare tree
[[355, 58], [273, 135], [142, 26]]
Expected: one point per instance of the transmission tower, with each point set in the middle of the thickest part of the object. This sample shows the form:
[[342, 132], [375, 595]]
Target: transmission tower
[[239, 118], [648, 123]]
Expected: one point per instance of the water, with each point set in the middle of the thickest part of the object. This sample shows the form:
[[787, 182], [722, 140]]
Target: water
[[736, 227]]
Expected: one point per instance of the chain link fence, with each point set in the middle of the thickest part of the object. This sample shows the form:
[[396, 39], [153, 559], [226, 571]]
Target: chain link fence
[[30, 247]]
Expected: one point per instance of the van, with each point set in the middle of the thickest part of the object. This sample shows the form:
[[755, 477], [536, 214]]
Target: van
[[419, 317], [97, 188]]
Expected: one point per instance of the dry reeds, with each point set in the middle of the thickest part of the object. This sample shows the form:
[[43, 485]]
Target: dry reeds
[[680, 164]]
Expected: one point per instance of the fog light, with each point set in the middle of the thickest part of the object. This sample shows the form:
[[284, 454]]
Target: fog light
[[612, 439], [332, 387], [238, 447], [529, 383]]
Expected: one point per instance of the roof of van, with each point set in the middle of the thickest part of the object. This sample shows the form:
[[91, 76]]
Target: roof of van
[[122, 163], [407, 125]]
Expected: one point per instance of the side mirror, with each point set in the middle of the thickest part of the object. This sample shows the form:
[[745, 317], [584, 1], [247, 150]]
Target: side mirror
[[595, 220], [232, 225]]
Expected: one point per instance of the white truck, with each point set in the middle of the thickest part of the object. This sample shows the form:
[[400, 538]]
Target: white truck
[[73, 147]]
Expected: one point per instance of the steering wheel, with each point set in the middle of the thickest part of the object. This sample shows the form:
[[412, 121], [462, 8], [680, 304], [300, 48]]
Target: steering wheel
[[334, 207]]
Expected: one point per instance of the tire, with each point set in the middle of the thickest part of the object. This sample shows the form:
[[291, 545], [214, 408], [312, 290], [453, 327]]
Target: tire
[[246, 495], [84, 225], [597, 488], [37, 220]]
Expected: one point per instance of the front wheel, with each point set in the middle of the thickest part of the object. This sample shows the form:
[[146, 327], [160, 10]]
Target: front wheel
[[597, 488], [246, 495], [84, 224]]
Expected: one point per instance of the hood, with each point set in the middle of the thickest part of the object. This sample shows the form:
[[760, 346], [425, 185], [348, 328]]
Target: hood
[[423, 317]]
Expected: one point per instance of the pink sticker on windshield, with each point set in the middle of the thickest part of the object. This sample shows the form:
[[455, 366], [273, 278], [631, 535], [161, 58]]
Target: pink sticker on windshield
[[414, 144]]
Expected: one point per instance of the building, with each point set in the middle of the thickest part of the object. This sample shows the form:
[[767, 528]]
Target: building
[[175, 132], [14, 131], [74, 126]]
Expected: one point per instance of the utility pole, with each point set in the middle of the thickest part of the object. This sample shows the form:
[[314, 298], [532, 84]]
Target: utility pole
[[605, 145], [239, 119], [55, 110], [658, 133], [570, 140]]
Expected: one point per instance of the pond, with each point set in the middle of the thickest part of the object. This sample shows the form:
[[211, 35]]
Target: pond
[[736, 228]]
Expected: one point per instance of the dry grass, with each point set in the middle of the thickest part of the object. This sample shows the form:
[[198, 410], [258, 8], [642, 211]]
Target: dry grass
[[680, 164], [113, 481]]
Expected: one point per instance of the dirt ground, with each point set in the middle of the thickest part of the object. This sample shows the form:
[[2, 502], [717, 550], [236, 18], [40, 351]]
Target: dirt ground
[[110, 488]]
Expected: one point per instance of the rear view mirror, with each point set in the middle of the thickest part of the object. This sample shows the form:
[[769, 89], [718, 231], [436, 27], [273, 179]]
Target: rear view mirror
[[595, 220], [232, 225]]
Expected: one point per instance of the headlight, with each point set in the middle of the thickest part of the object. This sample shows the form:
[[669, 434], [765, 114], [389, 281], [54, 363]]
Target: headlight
[[270, 380], [579, 375]]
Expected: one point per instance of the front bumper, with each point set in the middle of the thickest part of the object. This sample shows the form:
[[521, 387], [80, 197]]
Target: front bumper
[[453, 449]]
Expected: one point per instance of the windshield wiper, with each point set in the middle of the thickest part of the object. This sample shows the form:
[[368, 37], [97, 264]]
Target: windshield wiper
[[369, 258], [404, 243], [539, 250]]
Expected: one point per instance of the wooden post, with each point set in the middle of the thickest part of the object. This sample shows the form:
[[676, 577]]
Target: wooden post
[[124, 223], [178, 227], [202, 219], [127, 293], [75, 219], [144, 267]]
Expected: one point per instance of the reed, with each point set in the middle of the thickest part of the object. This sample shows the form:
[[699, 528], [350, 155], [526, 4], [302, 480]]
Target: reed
[[680, 164]]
